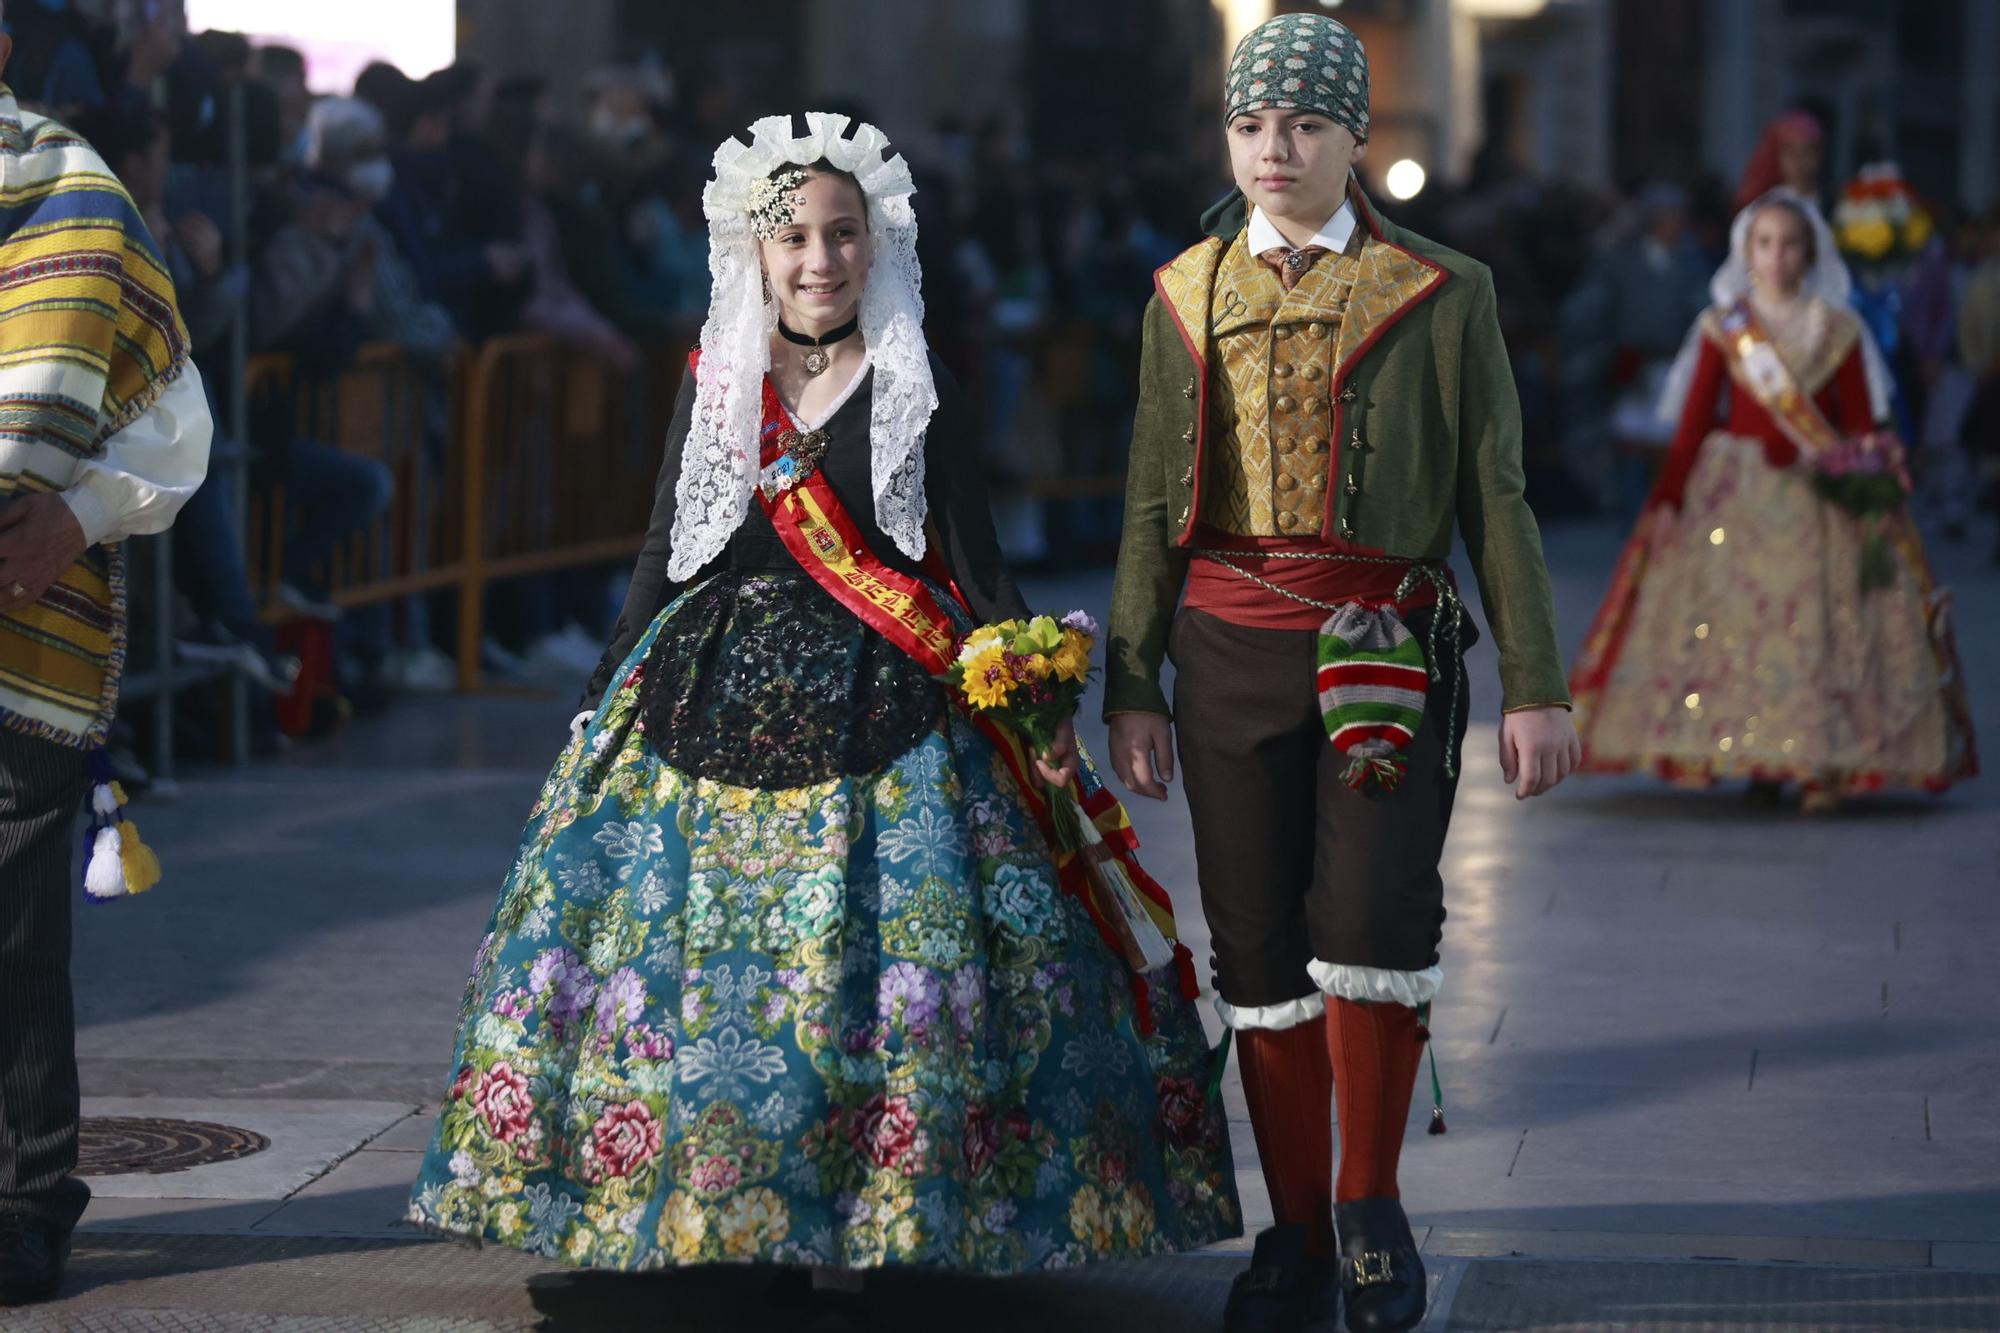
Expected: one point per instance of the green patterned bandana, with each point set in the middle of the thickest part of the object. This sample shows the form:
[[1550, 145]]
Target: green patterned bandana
[[1301, 62]]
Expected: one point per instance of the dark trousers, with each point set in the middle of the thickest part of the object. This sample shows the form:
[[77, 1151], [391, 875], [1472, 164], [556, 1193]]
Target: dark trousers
[[42, 789], [1294, 864]]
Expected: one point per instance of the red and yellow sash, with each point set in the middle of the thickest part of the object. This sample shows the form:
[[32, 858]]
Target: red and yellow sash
[[817, 529], [1760, 370]]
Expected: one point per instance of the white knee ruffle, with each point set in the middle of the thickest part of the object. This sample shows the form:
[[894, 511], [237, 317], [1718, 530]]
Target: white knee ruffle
[[1271, 1017], [1377, 984]]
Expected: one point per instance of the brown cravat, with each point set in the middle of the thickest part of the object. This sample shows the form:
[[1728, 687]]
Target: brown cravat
[[1291, 264]]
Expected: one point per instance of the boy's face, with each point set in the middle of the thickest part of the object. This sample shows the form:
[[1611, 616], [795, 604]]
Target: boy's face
[[1292, 164]]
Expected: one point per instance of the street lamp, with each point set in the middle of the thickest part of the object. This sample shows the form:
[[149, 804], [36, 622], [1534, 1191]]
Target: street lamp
[[1405, 179]]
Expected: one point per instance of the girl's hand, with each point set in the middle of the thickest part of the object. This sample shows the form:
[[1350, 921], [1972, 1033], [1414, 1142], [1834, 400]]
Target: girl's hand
[[1057, 765]]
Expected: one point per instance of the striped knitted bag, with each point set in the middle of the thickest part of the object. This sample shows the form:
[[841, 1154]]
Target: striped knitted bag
[[1372, 686]]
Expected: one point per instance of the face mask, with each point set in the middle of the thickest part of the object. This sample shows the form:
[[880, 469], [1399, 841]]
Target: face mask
[[373, 178]]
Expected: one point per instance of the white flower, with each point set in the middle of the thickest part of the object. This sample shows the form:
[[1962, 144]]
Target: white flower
[[464, 1171], [628, 840]]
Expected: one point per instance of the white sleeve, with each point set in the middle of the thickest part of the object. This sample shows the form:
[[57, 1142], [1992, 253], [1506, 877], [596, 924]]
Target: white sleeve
[[149, 469]]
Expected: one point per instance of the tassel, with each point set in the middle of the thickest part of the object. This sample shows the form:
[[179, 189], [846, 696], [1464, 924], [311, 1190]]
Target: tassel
[[1221, 1060], [136, 859], [1437, 1125], [1386, 769], [104, 800], [105, 877]]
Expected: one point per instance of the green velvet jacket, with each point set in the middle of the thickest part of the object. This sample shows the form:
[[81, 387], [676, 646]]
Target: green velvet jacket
[[1426, 424]]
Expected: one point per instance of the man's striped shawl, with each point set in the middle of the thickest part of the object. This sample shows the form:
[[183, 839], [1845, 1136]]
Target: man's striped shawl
[[89, 338]]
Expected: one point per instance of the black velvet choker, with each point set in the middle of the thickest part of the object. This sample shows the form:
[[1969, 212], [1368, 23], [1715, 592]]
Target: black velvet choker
[[817, 360]]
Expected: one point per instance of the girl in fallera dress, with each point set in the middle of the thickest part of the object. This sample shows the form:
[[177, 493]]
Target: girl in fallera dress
[[784, 972], [1774, 616]]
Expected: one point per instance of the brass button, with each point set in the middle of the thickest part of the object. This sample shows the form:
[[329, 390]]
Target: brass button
[[1285, 402], [1288, 482], [1187, 391], [1315, 446], [1288, 445], [1316, 329], [1288, 520], [1187, 477], [1348, 394], [1282, 332], [1314, 406], [1312, 373], [1283, 372], [1312, 483]]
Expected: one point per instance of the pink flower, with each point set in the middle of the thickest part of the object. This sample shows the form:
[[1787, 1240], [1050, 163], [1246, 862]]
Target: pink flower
[[502, 1101], [715, 1175], [1180, 1111], [981, 1139], [886, 1130], [626, 1138]]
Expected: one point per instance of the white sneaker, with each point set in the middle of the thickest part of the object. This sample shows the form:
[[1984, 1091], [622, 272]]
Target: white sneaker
[[424, 669]]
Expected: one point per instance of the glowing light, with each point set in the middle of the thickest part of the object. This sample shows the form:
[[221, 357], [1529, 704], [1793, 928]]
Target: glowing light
[[1715, 537], [1405, 179], [1726, 744], [1701, 631], [339, 40], [1693, 701]]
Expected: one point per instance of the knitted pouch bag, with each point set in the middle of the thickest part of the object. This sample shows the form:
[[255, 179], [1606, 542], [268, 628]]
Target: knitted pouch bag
[[1372, 686]]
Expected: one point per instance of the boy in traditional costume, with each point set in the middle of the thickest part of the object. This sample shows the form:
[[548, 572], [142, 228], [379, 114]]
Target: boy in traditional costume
[[104, 434], [1323, 397]]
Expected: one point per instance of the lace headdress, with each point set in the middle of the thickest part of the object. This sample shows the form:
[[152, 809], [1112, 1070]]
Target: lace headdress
[[1826, 280], [719, 460]]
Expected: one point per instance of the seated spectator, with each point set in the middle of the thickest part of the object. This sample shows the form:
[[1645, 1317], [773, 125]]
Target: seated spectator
[[209, 568]]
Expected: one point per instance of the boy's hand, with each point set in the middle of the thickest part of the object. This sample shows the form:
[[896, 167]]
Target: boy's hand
[[1142, 753], [1538, 749]]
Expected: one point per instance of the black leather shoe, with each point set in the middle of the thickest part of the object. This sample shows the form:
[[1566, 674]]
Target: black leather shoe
[[32, 1255], [1285, 1289], [1380, 1273]]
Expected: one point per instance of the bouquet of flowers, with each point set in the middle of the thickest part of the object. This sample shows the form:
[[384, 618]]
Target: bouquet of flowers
[[1027, 677], [1868, 476]]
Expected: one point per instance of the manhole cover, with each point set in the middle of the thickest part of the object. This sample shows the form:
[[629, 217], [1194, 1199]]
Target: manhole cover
[[117, 1145]]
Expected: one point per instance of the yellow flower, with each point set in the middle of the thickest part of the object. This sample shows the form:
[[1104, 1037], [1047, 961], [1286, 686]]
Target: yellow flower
[[1072, 660], [752, 1221], [987, 683], [1870, 237], [1088, 1222], [683, 1226], [983, 637], [1032, 669]]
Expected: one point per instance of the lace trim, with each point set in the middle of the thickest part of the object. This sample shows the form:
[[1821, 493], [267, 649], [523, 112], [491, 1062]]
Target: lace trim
[[1377, 984], [1271, 1017], [719, 458]]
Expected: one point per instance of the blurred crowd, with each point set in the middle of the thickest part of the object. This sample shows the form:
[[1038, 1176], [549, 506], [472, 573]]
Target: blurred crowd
[[433, 213]]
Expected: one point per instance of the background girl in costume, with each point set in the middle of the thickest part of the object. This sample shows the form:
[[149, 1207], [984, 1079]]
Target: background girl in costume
[[785, 973], [1753, 628]]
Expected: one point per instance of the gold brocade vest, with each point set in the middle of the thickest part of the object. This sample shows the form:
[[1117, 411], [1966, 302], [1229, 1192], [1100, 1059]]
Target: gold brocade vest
[[1270, 413]]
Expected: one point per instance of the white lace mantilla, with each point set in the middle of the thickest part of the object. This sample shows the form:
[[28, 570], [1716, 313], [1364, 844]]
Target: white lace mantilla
[[719, 461]]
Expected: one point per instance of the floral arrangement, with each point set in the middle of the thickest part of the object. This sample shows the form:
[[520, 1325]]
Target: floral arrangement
[[1868, 476], [1027, 677], [1879, 217]]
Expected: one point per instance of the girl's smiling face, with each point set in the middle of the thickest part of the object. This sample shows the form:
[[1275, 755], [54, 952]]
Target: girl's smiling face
[[818, 262]]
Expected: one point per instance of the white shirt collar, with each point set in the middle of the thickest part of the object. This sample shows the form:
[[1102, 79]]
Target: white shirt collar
[[1333, 234]]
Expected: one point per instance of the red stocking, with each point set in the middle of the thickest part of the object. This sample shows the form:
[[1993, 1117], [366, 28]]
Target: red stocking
[[1289, 1084], [1375, 1053]]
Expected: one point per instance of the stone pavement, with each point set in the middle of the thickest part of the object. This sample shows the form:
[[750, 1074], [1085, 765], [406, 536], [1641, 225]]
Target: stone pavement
[[1706, 1066]]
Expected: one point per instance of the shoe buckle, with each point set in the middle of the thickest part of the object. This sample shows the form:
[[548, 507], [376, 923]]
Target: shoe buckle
[[1371, 1269]]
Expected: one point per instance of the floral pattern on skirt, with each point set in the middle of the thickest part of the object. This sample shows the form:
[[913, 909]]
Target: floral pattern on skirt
[[853, 1023]]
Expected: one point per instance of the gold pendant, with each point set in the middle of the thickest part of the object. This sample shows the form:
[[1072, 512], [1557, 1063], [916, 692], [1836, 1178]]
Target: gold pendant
[[817, 361]]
